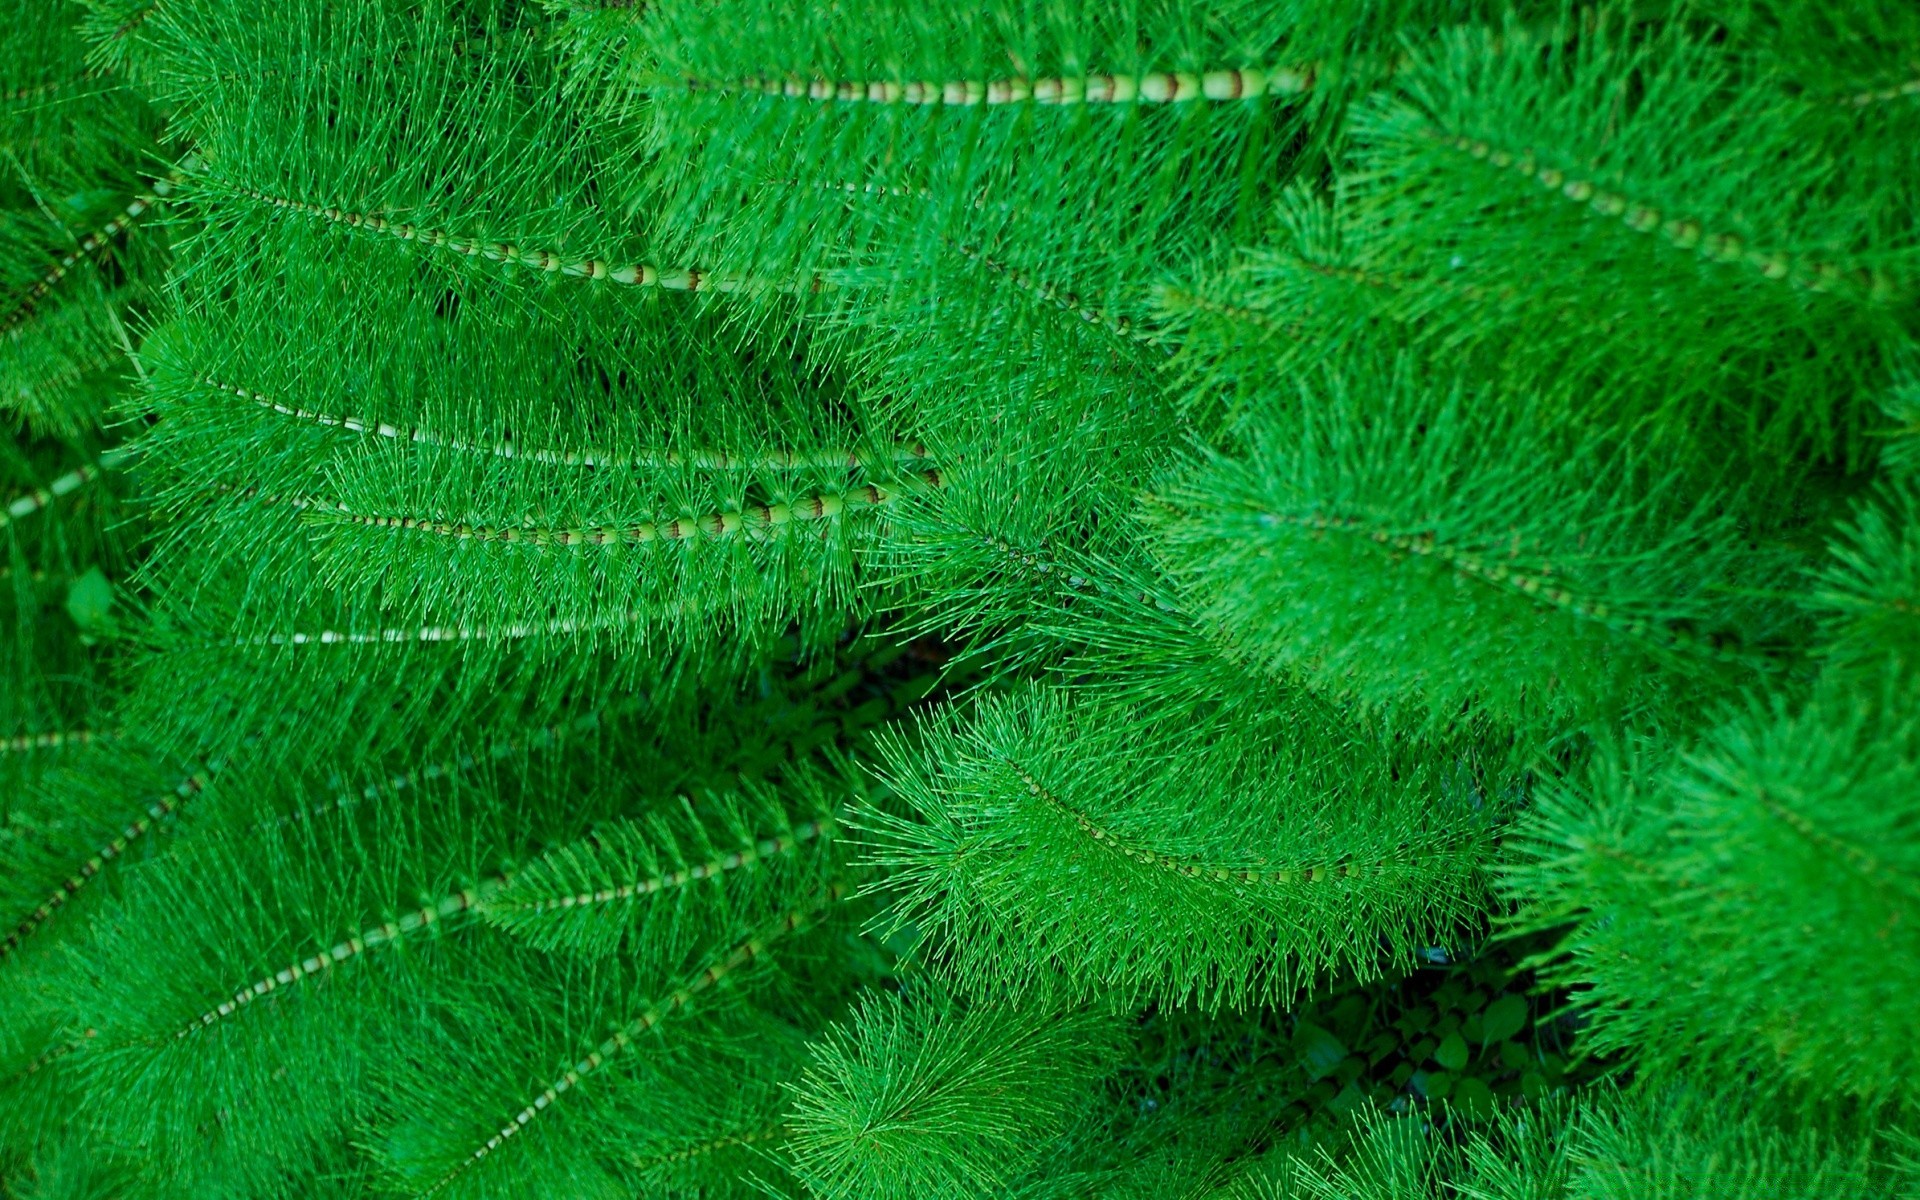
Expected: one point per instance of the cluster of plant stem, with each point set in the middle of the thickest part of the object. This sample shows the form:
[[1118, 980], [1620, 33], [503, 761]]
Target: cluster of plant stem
[[740, 598]]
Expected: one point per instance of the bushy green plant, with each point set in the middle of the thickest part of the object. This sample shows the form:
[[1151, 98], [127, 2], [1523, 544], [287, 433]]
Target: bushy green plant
[[1030, 599]]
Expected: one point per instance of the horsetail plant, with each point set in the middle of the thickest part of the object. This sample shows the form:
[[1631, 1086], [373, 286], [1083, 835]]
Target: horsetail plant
[[1027, 599]]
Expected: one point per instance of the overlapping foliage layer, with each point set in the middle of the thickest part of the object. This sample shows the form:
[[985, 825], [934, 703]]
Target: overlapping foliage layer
[[1147, 598]]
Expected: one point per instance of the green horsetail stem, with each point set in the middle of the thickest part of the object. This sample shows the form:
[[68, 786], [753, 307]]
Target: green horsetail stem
[[645, 275], [760, 851], [1178, 298], [765, 1133], [480, 899], [1154, 87], [88, 246], [705, 460], [54, 739], [1061, 298], [1539, 587], [755, 522], [428, 634], [1883, 95], [72, 481], [158, 809], [52, 1055], [440, 911], [1185, 866], [1682, 232], [738, 958], [384, 934]]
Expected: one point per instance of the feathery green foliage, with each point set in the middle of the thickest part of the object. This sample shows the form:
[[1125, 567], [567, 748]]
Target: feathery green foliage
[[719, 860], [79, 186], [1036, 599], [1434, 555], [1669, 1145], [1692, 882], [1871, 597], [923, 1098], [1615, 224], [1058, 848]]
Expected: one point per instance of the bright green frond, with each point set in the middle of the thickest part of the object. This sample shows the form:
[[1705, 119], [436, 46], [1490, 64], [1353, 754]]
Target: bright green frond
[[1063, 848], [1418, 549], [1689, 884], [920, 1098]]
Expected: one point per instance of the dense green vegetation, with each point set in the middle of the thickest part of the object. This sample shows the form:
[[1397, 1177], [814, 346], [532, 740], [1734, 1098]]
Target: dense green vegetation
[[740, 598]]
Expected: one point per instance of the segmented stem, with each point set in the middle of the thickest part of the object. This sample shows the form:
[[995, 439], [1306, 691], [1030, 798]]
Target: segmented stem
[[89, 245], [116, 846], [134, 20], [53, 739], [757, 522], [347, 799], [1685, 233], [646, 275], [1853, 854], [713, 1146], [918, 192], [760, 851], [706, 460], [1154, 87], [1185, 298], [35, 91], [385, 933], [443, 633], [1184, 866], [623, 1038], [52, 1056], [1060, 298], [1882, 95], [72, 481], [1537, 587]]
